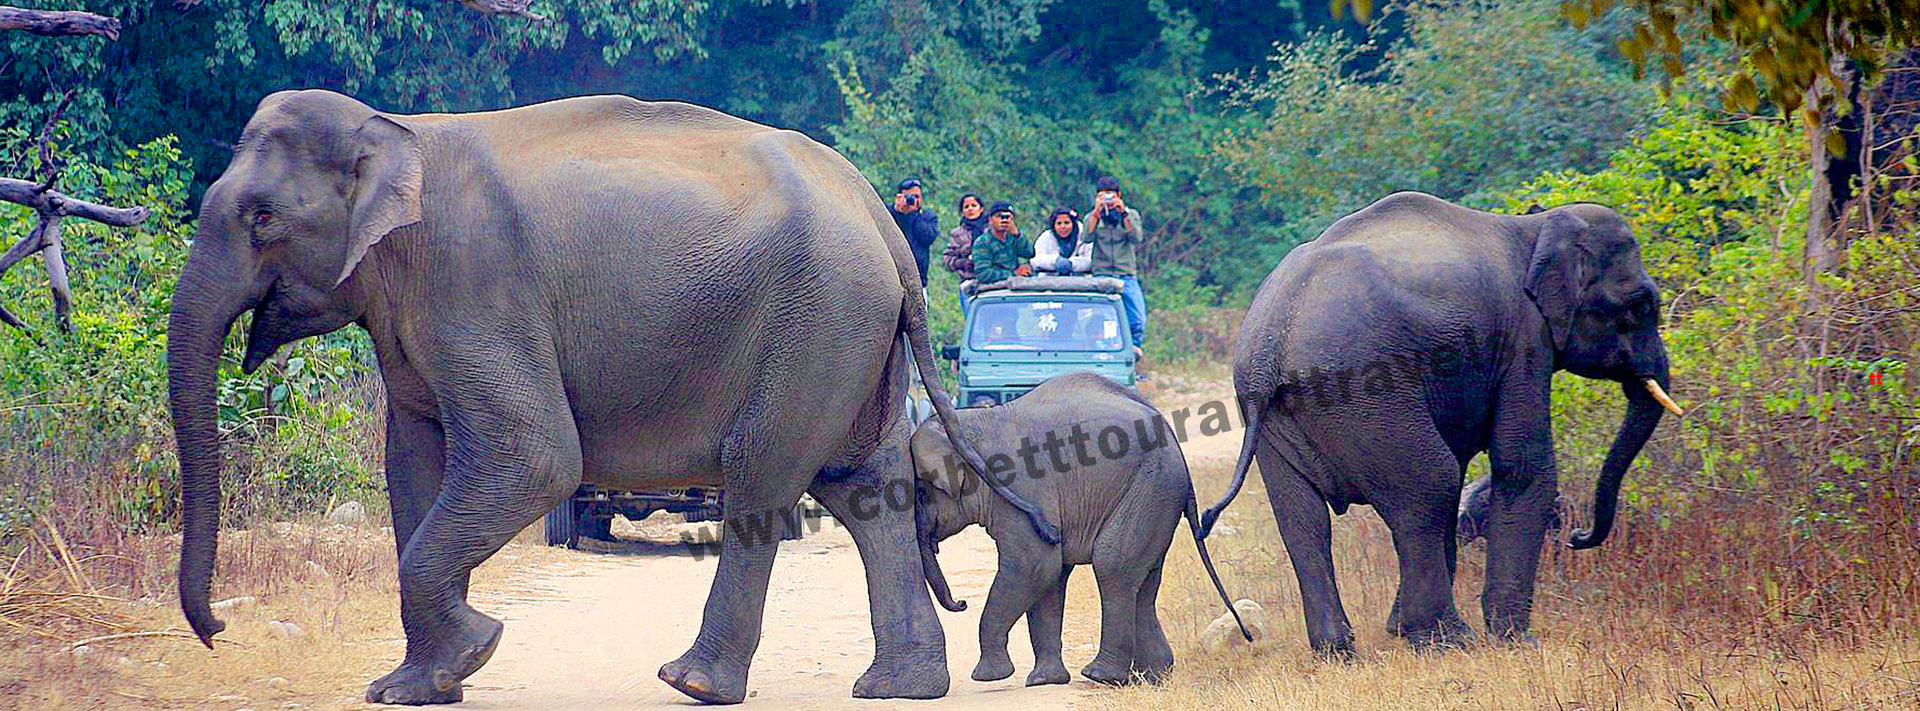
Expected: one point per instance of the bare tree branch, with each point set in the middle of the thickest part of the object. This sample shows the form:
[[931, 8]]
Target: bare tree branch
[[51, 206], [505, 7], [59, 23], [57, 204]]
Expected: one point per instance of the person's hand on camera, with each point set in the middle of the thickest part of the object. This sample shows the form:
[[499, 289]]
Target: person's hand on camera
[[899, 202], [1063, 265]]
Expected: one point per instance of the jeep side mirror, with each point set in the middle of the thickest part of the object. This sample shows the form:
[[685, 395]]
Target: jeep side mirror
[[950, 352]]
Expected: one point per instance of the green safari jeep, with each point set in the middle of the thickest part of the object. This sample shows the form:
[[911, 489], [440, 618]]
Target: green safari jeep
[[1024, 330]]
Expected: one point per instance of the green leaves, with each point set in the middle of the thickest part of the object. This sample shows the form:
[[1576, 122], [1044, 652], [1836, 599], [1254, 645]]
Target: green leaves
[[1789, 47], [1426, 116]]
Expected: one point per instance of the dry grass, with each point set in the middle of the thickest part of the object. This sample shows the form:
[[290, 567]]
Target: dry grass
[[335, 582], [1601, 645]]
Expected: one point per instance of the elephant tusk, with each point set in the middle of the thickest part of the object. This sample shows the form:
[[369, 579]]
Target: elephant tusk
[[1661, 395]]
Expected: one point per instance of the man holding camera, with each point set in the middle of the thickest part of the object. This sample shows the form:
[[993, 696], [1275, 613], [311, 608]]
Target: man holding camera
[[1002, 252], [919, 225], [1115, 232]]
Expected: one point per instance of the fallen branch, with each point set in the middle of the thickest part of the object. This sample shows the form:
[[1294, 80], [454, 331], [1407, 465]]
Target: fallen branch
[[59, 23]]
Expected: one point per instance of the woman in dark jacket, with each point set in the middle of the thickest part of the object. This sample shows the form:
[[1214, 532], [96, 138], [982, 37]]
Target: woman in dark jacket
[[958, 256]]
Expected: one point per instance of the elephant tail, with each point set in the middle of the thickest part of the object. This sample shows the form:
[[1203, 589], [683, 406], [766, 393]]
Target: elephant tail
[[1212, 516], [913, 320], [1200, 542]]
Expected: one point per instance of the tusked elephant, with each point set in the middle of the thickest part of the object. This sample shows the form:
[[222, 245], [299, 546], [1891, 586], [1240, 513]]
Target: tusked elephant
[[1114, 478], [636, 295], [1379, 358]]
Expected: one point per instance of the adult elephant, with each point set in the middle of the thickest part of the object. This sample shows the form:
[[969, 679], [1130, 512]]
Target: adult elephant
[[636, 295], [1410, 336]]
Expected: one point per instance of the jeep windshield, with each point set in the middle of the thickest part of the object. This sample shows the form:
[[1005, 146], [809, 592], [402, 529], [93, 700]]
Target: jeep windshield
[[1046, 325]]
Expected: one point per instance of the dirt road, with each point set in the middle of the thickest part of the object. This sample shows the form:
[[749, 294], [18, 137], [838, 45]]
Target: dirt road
[[589, 630]]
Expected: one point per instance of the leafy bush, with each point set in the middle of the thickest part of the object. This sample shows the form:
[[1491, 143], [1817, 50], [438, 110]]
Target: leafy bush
[[85, 414], [1476, 95]]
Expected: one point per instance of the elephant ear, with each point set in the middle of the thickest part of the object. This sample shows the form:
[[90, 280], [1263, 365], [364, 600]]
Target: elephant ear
[[930, 450], [387, 178], [1558, 273]]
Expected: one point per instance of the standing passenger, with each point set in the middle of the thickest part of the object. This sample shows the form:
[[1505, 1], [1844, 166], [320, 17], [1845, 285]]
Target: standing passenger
[[920, 226], [1116, 234], [958, 256]]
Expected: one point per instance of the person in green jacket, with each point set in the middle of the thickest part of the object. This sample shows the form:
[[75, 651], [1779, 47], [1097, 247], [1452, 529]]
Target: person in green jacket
[[1114, 228], [1002, 252]]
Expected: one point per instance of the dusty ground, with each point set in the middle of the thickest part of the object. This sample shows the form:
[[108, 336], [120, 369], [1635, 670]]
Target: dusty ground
[[589, 629], [584, 629]]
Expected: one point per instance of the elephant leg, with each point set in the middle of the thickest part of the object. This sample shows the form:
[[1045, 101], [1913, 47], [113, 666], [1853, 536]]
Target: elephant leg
[[523, 455], [416, 452], [1152, 655], [1422, 521], [1119, 613], [1306, 526], [1393, 617], [1522, 498], [910, 646], [1027, 573], [762, 484], [416, 464], [1126, 555], [1046, 621]]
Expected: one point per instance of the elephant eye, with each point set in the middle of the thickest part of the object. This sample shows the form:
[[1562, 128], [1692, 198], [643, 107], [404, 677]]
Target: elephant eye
[[262, 217], [1643, 311]]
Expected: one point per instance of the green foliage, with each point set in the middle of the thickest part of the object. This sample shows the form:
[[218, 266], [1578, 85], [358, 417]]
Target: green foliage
[[1185, 323], [1477, 95], [199, 71], [92, 405]]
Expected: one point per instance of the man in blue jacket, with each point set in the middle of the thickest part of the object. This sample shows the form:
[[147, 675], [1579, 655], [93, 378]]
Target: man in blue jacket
[[919, 225]]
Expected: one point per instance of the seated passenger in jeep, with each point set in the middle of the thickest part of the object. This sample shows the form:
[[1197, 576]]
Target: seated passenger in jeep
[[1063, 250], [1002, 252]]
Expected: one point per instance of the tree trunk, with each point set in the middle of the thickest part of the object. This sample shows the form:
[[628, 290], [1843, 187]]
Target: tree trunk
[[1833, 178]]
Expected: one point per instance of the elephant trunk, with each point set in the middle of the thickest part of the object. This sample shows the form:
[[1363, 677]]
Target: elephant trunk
[[196, 330], [1643, 414], [937, 580], [930, 560]]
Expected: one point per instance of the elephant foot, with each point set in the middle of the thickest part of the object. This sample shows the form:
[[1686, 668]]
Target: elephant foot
[[924, 678], [993, 667], [1333, 647], [1050, 673], [1516, 639], [1447, 635], [1107, 671], [1510, 630], [1152, 671], [436, 680], [707, 681]]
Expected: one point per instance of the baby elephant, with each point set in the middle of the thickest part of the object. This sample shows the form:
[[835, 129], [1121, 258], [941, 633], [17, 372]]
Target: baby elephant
[[1104, 466]]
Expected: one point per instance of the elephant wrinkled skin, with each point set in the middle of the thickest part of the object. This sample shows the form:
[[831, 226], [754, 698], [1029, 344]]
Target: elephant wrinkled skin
[[1378, 359], [637, 295]]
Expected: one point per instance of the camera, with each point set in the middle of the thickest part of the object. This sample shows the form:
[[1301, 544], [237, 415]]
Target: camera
[[913, 199], [1110, 216]]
